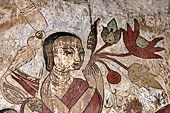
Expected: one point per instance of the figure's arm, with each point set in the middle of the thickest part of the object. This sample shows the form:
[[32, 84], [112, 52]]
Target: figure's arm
[[84, 100], [99, 80]]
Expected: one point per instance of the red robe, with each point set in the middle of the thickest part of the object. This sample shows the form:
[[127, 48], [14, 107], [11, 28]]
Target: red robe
[[75, 91]]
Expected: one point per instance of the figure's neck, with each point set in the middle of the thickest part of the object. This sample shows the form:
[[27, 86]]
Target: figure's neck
[[59, 77]]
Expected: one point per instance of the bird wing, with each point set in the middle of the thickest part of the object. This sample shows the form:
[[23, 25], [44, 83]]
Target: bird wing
[[23, 56], [154, 84], [29, 85]]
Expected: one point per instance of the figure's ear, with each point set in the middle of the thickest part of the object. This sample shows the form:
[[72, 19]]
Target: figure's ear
[[48, 55]]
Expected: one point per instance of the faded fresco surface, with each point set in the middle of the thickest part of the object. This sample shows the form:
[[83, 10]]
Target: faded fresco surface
[[84, 56]]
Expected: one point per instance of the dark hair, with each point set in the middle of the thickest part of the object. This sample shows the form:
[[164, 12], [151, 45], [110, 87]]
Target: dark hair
[[48, 47], [7, 109]]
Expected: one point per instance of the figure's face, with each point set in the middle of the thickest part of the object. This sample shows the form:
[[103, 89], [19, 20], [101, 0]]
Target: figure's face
[[68, 53]]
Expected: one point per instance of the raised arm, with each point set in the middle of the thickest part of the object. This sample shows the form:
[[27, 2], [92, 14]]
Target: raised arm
[[90, 95], [99, 80]]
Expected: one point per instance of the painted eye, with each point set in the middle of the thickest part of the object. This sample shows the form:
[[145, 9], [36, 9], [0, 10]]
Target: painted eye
[[68, 52]]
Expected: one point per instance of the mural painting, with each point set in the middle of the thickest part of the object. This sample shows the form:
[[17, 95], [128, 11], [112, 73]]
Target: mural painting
[[106, 72]]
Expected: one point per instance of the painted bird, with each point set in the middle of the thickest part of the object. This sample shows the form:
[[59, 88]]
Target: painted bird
[[26, 53], [140, 76], [12, 93]]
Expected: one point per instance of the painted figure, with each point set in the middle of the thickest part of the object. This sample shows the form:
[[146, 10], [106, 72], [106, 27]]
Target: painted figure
[[60, 92], [63, 52]]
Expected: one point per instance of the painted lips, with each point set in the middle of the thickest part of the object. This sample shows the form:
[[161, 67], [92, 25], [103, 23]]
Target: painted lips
[[77, 65]]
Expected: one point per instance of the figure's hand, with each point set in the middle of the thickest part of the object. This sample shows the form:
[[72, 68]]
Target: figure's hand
[[35, 105], [89, 74], [96, 73], [99, 79]]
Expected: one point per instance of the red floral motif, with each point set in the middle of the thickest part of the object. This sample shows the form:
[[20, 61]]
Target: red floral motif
[[130, 37], [136, 45], [113, 77]]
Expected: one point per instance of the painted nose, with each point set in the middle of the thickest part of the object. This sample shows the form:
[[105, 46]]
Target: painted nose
[[77, 58]]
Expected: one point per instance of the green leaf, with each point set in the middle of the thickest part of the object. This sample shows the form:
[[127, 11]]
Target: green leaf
[[104, 33], [141, 42], [112, 25], [110, 38]]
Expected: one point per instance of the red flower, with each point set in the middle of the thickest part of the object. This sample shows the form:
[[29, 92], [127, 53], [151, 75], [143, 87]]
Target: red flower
[[113, 77], [147, 52]]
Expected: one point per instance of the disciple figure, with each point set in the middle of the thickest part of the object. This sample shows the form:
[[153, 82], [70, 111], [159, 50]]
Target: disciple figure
[[60, 92], [63, 52]]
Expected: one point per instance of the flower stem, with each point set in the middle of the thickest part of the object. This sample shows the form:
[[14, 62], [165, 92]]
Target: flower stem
[[104, 64], [90, 12], [103, 47], [114, 60], [115, 54]]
